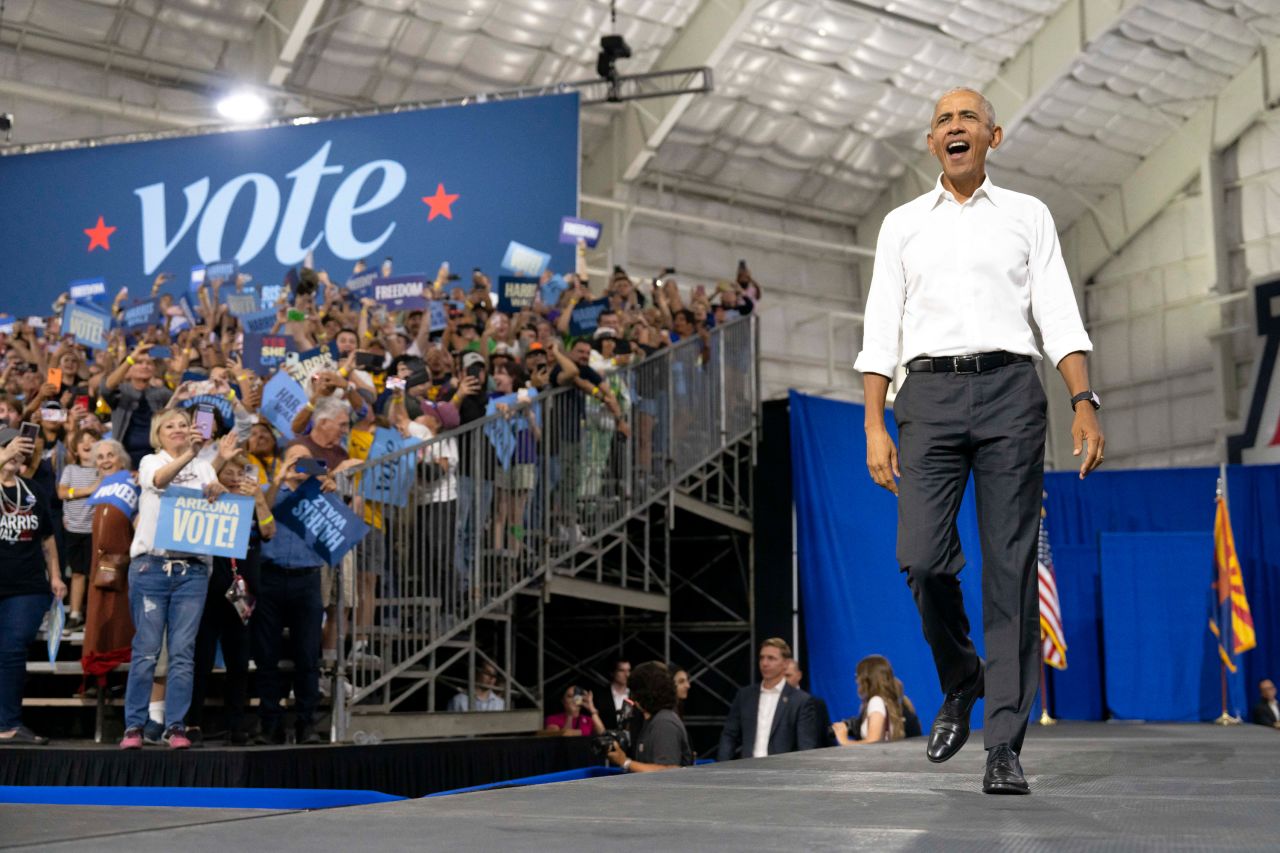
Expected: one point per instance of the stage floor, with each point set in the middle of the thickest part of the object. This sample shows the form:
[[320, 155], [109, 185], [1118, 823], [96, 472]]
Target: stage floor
[[1095, 786]]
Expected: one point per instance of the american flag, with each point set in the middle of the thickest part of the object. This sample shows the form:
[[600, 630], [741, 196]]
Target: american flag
[[1053, 647]]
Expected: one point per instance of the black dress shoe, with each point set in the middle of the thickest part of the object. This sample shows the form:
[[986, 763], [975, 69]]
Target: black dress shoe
[[951, 726], [269, 737], [1004, 773]]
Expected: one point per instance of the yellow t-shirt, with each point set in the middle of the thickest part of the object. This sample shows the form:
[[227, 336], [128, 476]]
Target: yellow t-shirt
[[358, 445]]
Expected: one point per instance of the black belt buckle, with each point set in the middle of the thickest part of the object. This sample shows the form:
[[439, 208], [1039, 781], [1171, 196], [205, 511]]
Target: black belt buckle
[[957, 360]]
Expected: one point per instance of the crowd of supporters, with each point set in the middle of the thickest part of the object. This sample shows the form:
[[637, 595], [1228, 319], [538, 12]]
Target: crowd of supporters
[[90, 437]]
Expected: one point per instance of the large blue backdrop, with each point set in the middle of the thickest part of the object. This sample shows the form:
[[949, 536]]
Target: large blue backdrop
[[455, 184], [1133, 554]]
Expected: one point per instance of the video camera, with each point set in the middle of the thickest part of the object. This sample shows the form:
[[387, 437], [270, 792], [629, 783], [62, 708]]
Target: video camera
[[602, 743]]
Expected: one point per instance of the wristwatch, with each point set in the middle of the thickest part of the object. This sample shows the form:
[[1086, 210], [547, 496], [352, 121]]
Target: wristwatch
[[1093, 399]]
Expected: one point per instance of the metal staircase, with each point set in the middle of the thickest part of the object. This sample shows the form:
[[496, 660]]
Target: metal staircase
[[586, 514]]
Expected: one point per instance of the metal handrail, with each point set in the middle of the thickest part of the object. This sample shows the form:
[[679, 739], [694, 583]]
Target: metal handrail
[[460, 546]]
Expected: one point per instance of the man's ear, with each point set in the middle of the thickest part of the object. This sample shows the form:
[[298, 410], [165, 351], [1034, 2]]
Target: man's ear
[[928, 141], [997, 136]]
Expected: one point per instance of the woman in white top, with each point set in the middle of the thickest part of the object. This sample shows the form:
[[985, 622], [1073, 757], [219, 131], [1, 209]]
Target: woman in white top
[[166, 588], [881, 716]]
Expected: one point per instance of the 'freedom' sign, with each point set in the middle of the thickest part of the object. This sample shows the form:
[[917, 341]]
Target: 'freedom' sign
[[190, 523], [402, 292]]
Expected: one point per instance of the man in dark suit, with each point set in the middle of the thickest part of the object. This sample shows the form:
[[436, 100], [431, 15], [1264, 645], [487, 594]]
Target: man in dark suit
[[1267, 711], [821, 716], [770, 717]]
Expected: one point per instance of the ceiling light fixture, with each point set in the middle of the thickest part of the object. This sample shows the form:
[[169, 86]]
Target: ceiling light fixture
[[242, 107]]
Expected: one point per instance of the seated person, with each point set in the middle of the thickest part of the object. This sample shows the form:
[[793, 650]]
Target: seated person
[[881, 716], [663, 743], [486, 696], [579, 716]]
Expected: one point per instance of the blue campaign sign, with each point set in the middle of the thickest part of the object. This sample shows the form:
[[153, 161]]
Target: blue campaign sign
[[282, 399], [189, 523], [242, 304], [221, 271], [322, 521], [516, 292], [422, 186], [259, 322], [586, 316], [89, 326], [141, 315], [269, 294], [360, 281], [118, 490], [525, 260], [439, 315], [572, 230], [402, 292], [6, 324], [389, 481], [264, 353], [87, 290]]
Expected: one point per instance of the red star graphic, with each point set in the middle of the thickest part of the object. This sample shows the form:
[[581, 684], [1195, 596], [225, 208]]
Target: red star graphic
[[439, 203], [100, 235]]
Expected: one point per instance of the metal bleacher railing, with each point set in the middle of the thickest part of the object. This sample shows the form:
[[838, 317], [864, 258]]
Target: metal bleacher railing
[[484, 512]]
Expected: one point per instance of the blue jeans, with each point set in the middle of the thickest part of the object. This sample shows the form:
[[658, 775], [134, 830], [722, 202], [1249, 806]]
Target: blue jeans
[[470, 526], [20, 617], [160, 600]]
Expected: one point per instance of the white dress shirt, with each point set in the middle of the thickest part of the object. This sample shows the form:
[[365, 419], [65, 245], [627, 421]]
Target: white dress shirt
[[765, 711], [1275, 709], [956, 279]]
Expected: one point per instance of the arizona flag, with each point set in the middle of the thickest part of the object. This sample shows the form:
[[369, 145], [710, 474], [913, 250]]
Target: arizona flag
[[1230, 621], [1053, 646]]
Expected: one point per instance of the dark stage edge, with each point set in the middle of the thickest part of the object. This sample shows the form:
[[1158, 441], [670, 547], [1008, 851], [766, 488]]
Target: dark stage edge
[[1096, 787]]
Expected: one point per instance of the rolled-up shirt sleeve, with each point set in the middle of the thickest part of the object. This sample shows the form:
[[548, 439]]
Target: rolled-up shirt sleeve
[[1053, 301], [882, 319]]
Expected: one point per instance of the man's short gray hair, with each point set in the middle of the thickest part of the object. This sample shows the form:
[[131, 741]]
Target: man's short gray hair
[[986, 104], [330, 408]]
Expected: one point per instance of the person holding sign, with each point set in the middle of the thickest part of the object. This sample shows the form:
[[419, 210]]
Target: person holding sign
[[166, 588], [288, 597], [29, 572]]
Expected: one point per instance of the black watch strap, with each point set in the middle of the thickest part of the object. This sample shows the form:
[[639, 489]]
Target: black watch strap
[[1086, 395]]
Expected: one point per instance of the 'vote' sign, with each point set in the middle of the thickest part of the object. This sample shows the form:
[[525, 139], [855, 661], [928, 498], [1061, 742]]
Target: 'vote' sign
[[190, 523]]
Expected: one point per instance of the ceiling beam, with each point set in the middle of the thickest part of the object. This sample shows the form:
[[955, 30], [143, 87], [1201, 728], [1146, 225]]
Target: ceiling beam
[[280, 36], [1099, 234], [1020, 83], [115, 108], [638, 128]]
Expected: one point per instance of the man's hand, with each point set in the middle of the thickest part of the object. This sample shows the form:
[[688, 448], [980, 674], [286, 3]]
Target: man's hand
[[469, 386], [882, 459], [616, 755], [1086, 430], [57, 587], [214, 490]]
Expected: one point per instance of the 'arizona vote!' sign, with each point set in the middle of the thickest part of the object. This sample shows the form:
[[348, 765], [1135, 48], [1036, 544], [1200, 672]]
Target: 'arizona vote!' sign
[[422, 186], [192, 524]]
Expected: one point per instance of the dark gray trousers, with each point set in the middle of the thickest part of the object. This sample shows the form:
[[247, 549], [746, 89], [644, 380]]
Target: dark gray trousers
[[990, 424]]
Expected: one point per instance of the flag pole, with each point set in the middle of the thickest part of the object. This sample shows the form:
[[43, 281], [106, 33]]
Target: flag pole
[[1045, 719], [1225, 718]]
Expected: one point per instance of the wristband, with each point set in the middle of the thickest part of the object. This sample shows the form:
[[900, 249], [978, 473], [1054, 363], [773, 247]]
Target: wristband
[[626, 766], [71, 492], [311, 406], [343, 372], [270, 519], [595, 392], [129, 360]]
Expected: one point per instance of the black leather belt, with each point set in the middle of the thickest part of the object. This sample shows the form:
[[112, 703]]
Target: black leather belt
[[976, 363]]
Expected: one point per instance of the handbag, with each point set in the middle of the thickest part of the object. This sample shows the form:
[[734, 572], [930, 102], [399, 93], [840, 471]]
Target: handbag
[[111, 571]]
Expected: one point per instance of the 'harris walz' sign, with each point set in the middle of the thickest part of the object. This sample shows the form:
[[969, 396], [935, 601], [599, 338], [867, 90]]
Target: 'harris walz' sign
[[1260, 441]]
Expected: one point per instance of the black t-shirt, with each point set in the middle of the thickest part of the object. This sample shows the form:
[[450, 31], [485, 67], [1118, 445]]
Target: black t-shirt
[[663, 740], [574, 404], [137, 438], [22, 565]]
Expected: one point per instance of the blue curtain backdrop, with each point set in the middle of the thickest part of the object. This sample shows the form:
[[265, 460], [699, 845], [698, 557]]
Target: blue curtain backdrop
[[856, 602]]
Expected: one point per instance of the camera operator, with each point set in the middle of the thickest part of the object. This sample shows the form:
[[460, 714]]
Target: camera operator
[[663, 743]]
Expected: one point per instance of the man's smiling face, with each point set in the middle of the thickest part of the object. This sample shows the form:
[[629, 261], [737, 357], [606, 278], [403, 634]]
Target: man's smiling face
[[960, 136]]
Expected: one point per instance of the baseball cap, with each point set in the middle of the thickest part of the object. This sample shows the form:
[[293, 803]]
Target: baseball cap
[[472, 358]]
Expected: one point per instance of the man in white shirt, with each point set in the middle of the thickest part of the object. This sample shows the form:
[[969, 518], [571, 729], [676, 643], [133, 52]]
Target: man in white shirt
[[611, 711], [771, 717], [486, 696], [960, 272]]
